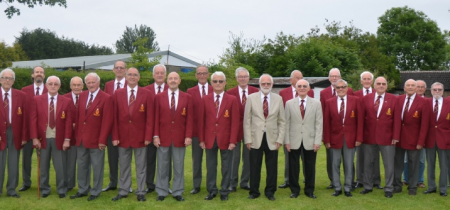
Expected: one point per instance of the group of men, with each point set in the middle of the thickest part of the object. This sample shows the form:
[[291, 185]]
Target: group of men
[[159, 121]]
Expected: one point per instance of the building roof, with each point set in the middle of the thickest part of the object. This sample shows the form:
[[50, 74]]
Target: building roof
[[285, 82], [429, 77], [105, 61]]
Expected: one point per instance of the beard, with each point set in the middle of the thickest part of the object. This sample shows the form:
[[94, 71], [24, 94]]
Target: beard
[[266, 90], [39, 79]]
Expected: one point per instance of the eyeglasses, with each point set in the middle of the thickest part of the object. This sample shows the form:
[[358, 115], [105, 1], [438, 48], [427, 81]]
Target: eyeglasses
[[202, 74], [302, 86], [335, 76], [242, 77], [8, 78], [265, 84], [53, 84], [133, 75], [218, 81], [437, 90], [119, 67], [381, 83], [340, 87]]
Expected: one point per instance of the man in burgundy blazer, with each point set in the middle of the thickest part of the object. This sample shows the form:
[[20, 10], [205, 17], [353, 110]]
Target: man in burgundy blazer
[[133, 131], [366, 82], [437, 140], [76, 85], [288, 94], [119, 82], [51, 130], [410, 129], [241, 93], [343, 130], [379, 110], [198, 92], [37, 88], [95, 118], [159, 86], [218, 130], [327, 93], [173, 133], [13, 131]]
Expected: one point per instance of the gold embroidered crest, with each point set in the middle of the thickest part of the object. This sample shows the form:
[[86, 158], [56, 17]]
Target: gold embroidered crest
[[416, 114], [352, 115], [184, 111], [389, 112], [63, 115], [226, 114], [142, 109], [97, 113], [19, 111], [448, 116]]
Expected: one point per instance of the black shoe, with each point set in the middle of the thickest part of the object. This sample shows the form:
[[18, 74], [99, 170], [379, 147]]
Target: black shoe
[[377, 186], [284, 185], [397, 190], [149, 190], [270, 197], [141, 198], [443, 194], [45, 195], [14, 196], [294, 195], [160, 198], [388, 194], [69, 189], [106, 189], [251, 196], [412, 192], [348, 194], [24, 188], [118, 197], [365, 191], [330, 186], [233, 189], [310, 195], [195, 190], [179, 198], [245, 188], [429, 191], [224, 197], [78, 195], [210, 196], [92, 197], [337, 193]]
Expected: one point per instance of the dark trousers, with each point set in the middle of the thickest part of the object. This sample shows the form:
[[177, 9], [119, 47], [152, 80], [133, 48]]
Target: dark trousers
[[211, 169], [413, 164], [256, 156], [329, 165], [113, 162], [151, 167], [309, 169]]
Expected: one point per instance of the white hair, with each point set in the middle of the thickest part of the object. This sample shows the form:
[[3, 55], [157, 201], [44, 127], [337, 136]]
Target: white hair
[[334, 69], [366, 72], [76, 77], [242, 69], [219, 73], [271, 78], [341, 80], [154, 67], [8, 70], [53, 76], [292, 73], [92, 74]]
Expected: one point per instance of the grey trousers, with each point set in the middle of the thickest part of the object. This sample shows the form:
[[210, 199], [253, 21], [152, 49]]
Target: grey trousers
[[140, 156], [165, 154], [87, 158], [245, 174], [235, 161], [371, 154], [348, 156], [58, 158], [211, 167], [71, 163], [360, 166], [444, 157], [197, 160], [113, 162], [413, 168], [27, 155], [9, 156]]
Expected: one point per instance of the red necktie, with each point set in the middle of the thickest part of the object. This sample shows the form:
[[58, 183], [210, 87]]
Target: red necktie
[[37, 91], [377, 104], [302, 109], [217, 102], [172, 103], [334, 92], [131, 102], [6, 106], [203, 91], [89, 103], [118, 86], [341, 110], [436, 106], [244, 98], [367, 91], [406, 109], [76, 101], [159, 89], [51, 112], [296, 94], [265, 107]]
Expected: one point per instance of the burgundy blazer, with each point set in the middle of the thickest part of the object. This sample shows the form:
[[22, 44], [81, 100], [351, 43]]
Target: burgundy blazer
[[287, 94], [109, 87], [94, 125], [225, 127], [19, 119], [174, 128], [379, 130], [352, 129], [412, 130], [196, 101], [29, 91], [326, 94], [133, 129], [439, 131], [151, 88], [63, 120], [73, 140], [235, 92]]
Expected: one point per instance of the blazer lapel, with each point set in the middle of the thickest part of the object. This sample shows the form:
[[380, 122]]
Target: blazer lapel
[[223, 105], [44, 102], [59, 105], [138, 101], [307, 108], [2, 111], [180, 104], [443, 114], [94, 103]]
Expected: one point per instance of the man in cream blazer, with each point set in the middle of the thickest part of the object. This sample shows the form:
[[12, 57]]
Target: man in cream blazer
[[264, 128], [304, 121]]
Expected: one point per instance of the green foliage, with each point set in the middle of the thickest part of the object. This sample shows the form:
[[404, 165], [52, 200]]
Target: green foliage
[[139, 59], [126, 43], [11, 10], [45, 44], [10, 53], [415, 41]]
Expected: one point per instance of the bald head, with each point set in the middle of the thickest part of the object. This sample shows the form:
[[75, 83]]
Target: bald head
[[173, 79]]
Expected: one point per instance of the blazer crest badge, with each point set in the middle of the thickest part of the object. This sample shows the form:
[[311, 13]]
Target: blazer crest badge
[[19, 111], [97, 113], [226, 114], [63, 115], [389, 112], [141, 108], [416, 114], [448, 116], [184, 111], [352, 115]]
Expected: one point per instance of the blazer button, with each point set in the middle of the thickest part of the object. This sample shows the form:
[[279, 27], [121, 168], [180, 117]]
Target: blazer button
[[377, 119], [214, 132], [435, 126], [84, 123], [130, 121], [403, 123], [173, 122], [343, 125]]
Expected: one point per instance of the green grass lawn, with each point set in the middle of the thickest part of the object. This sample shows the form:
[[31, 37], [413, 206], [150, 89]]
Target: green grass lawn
[[237, 200]]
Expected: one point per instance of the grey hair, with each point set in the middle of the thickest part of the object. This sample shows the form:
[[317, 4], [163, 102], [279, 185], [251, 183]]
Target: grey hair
[[8, 70], [133, 68], [219, 73], [165, 70], [302, 80], [239, 69], [292, 73], [341, 80], [53, 76], [76, 77], [422, 81], [334, 69], [366, 72], [271, 78], [92, 74], [37, 67], [436, 83], [415, 82], [202, 66], [122, 62]]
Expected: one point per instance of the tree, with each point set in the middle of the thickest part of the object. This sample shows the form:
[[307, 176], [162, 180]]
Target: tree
[[8, 54], [11, 10], [139, 58], [131, 35], [415, 41]]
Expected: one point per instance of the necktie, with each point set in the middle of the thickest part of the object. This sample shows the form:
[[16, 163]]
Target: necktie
[[341, 110], [367, 91], [436, 106], [6, 106], [217, 103], [244, 98], [159, 89], [296, 94], [118, 86], [89, 103], [406, 109], [76, 101], [203, 91], [302, 109], [265, 107], [172, 104], [131, 102], [377, 104], [334, 92], [37, 91], [51, 113]]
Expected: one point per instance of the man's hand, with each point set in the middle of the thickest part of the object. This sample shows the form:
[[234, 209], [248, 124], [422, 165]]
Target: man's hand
[[24, 142], [357, 143], [419, 147], [147, 143], [156, 142], [278, 145], [36, 143], [288, 147], [394, 141], [327, 145], [316, 147], [231, 146], [66, 145], [249, 147], [202, 145], [101, 146], [115, 143], [187, 141]]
